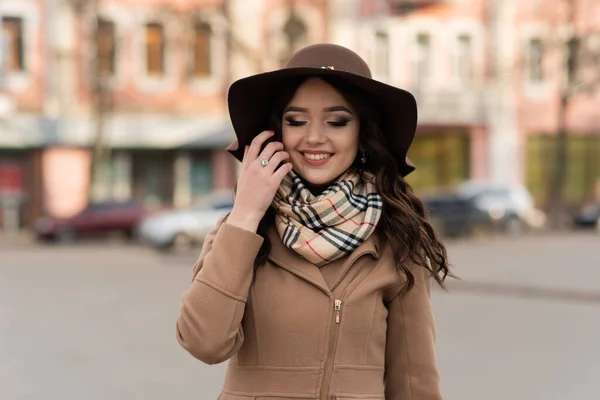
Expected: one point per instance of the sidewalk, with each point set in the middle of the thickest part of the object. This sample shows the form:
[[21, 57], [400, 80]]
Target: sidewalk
[[21, 239]]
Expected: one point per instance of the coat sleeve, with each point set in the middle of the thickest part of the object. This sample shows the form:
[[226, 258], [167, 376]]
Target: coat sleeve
[[411, 371], [209, 324]]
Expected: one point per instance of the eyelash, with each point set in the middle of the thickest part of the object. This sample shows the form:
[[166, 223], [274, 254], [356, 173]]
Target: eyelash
[[339, 123], [292, 122], [336, 124]]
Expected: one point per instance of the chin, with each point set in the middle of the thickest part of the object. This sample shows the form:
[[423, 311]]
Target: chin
[[319, 177], [319, 180]]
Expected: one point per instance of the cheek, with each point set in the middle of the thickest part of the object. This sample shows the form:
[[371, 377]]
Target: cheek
[[350, 142], [287, 139]]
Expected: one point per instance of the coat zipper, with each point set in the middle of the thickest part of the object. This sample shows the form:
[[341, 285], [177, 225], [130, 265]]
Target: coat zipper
[[337, 307], [337, 316]]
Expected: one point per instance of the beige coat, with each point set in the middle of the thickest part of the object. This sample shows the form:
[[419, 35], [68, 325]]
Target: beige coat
[[288, 334]]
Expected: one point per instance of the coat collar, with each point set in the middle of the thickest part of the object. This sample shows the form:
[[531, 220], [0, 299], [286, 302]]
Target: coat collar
[[299, 266]]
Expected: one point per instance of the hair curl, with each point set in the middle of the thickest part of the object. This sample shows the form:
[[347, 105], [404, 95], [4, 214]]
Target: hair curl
[[404, 222]]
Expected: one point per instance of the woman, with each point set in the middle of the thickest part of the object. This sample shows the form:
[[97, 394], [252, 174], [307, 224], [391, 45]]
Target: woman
[[316, 285]]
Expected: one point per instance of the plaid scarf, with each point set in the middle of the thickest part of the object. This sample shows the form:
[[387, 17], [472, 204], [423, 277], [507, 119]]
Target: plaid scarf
[[325, 228]]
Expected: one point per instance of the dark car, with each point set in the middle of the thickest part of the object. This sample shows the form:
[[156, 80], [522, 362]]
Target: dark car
[[588, 217], [97, 219], [471, 209], [451, 214]]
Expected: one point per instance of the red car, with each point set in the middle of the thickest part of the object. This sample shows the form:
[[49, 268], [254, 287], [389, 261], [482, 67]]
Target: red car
[[97, 219]]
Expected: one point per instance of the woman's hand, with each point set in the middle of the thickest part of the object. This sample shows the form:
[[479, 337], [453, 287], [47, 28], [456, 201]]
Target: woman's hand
[[257, 184]]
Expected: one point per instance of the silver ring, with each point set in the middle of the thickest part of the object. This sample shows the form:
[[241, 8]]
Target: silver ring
[[264, 163]]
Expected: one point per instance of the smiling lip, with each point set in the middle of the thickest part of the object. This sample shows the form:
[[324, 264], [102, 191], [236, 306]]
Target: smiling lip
[[315, 163]]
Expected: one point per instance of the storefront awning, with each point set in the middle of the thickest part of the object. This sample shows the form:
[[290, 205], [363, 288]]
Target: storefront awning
[[216, 140]]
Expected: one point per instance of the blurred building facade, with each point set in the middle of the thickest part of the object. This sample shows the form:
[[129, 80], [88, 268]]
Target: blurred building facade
[[436, 51], [487, 75], [541, 29], [148, 85], [153, 77]]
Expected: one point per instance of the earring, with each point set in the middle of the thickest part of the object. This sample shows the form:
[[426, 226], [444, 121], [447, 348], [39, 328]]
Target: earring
[[363, 159]]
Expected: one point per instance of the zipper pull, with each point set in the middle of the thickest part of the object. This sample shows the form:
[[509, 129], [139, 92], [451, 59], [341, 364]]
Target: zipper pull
[[338, 310]]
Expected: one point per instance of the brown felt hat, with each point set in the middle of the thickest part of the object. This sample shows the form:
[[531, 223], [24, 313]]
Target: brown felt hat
[[249, 109]]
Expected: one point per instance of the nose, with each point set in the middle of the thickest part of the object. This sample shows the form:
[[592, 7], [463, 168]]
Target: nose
[[315, 135]]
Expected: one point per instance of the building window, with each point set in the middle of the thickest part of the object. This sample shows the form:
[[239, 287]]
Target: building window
[[155, 49], [582, 173], [201, 176], [152, 177], [444, 160], [423, 59], [295, 36], [536, 60], [12, 28], [382, 51], [201, 50], [106, 47], [464, 59]]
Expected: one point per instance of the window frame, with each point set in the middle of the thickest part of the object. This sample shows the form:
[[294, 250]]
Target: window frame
[[532, 77], [197, 25], [20, 82], [162, 49], [422, 68], [381, 56], [8, 62], [113, 68], [461, 58]]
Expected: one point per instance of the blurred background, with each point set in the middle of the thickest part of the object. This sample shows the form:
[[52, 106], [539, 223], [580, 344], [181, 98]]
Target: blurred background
[[113, 122]]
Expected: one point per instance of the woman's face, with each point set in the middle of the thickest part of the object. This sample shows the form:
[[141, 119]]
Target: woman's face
[[320, 132]]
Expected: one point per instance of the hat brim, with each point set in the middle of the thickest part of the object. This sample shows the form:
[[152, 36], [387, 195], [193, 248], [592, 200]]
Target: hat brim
[[249, 108]]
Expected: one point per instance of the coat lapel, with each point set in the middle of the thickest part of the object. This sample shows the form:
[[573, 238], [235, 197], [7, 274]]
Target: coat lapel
[[299, 266], [293, 263], [369, 246]]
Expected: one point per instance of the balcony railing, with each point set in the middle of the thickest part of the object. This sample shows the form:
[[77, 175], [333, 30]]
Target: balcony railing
[[459, 107]]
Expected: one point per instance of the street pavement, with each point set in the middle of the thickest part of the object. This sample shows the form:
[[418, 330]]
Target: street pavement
[[97, 322]]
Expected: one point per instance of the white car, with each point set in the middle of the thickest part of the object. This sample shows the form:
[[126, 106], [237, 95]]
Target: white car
[[183, 228], [500, 200]]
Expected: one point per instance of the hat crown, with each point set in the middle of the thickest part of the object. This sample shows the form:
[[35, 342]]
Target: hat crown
[[330, 56]]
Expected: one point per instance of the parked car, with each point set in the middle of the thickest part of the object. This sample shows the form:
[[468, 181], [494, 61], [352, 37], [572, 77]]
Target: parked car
[[97, 219], [185, 228], [588, 217], [480, 206]]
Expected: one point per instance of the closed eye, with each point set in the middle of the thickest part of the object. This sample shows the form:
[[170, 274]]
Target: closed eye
[[292, 122], [339, 123]]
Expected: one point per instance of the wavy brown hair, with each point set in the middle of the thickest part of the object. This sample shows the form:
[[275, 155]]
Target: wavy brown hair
[[404, 222]]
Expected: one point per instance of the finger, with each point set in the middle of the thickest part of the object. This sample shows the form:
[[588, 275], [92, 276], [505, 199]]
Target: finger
[[257, 143], [245, 160], [270, 149], [275, 160], [282, 172]]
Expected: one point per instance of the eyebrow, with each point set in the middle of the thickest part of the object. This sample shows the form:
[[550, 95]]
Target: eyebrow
[[326, 109]]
